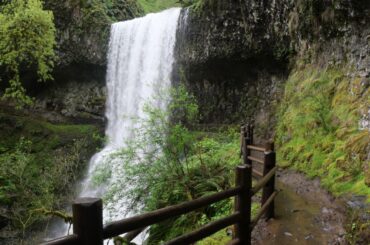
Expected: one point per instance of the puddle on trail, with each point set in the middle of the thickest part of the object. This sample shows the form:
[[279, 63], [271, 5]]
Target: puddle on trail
[[297, 221]]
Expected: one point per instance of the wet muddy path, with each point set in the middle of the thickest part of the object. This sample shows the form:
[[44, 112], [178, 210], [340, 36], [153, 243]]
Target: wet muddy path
[[305, 214]]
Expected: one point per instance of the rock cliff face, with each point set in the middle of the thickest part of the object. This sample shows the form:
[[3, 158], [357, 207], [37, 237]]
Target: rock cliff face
[[230, 30], [78, 92], [235, 54], [83, 27], [76, 96]]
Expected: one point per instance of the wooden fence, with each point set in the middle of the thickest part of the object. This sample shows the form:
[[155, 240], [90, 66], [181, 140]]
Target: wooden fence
[[88, 226]]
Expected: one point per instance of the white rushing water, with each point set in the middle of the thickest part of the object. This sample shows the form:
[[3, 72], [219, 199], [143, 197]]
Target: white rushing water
[[140, 59], [140, 63]]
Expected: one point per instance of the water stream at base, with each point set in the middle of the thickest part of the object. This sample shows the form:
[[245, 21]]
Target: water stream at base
[[140, 59]]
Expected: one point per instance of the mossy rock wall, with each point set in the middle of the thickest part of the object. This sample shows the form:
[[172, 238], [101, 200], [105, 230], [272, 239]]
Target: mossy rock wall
[[236, 55], [307, 62], [318, 130]]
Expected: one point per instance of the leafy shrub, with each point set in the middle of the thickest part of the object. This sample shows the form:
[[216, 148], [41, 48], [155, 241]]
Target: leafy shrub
[[22, 188], [27, 40], [166, 164], [38, 166]]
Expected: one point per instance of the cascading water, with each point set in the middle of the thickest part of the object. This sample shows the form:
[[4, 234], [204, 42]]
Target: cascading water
[[139, 63], [140, 59]]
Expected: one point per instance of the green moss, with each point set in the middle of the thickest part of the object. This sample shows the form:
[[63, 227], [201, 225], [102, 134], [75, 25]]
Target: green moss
[[69, 129], [222, 237], [219, 238], [32, 148], [201, 5], [151, 6], [44, 135], [318, 129]]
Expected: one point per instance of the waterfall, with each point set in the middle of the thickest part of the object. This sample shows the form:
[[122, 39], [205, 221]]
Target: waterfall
[[140, 59]]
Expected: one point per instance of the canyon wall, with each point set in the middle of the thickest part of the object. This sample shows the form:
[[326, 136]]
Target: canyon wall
[[236, 55]]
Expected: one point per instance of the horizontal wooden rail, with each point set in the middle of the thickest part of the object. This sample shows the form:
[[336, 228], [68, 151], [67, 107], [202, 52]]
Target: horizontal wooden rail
[[120, 227], [257, 173], [66, 240], [263, 181], [206, 231], [88, 226], [256, 148], [263, 209], [254, 159]]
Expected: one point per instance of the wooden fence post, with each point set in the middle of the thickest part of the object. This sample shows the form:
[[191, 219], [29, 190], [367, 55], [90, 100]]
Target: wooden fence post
[[243, 203], [268, 190], [242, 141], [88, 221], [247, 139], [250, 133]]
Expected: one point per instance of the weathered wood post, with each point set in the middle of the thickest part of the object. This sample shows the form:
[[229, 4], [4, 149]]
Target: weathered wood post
[[250, 132], [246, 139], [243, 203], [268, 190], [242, 140], [88, 221]]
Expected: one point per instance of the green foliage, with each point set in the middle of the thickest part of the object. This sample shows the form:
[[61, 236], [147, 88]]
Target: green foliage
[[223, 236], [27, 40], [151, 6], [318, 129], [25, 192], [97, 13], [20, 187], [200, 5], [358, 228], [219, 238], [39, 162], [174, 164]]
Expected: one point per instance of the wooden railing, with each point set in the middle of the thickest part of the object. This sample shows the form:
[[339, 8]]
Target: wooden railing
[[88, 226]]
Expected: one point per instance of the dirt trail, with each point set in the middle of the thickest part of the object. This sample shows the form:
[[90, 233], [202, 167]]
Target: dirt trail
[[305, 214]]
